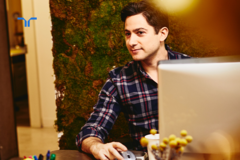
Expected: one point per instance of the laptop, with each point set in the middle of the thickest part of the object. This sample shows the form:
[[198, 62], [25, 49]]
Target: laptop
[[202, 96]]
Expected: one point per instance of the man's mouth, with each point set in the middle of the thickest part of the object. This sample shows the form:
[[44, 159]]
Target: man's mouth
[[135, 50]]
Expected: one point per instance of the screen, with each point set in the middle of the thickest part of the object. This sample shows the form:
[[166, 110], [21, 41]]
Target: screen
[[202, 96]]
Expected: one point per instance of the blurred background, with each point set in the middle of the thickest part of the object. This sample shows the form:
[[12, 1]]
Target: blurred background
[[33, 110], [31, 60], [216, 22]]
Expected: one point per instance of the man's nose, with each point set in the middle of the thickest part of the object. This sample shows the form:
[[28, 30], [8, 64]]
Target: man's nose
[[133, 40]]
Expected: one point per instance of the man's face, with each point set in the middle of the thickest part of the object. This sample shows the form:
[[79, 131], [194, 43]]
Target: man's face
[[141, 39]]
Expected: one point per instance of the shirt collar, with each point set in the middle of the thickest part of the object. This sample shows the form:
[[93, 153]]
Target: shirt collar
[[170, 52], [141, 70]]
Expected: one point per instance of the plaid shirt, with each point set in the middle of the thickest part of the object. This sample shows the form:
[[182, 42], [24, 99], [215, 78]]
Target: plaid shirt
[[133, 93]]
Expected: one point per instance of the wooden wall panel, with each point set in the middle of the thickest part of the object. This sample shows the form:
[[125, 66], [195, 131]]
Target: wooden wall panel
[[8, 136]]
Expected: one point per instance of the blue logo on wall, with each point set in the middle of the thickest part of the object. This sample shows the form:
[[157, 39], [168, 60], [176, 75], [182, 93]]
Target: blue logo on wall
[[27, 23]]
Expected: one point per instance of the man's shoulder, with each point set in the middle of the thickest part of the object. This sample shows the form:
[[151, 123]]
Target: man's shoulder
[[124, 71], [176, 55]]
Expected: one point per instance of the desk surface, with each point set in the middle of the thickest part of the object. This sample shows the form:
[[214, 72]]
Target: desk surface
[[72, 155], [76, 155]]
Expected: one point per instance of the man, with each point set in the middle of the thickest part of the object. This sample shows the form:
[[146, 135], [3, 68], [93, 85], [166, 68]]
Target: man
[[132, 88]]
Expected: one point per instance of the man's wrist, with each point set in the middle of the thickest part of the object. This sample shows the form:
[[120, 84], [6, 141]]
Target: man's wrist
[[94, 147], [89, 144]]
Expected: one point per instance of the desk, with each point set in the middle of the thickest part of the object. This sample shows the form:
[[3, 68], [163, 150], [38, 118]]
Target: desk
[[76, 155], [72, 155]]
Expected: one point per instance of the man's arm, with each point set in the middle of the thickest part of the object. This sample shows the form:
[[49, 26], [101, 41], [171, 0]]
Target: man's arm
[[99, 150], [91, 137]]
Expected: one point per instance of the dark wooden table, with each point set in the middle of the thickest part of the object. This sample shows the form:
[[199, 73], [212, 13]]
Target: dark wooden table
[[72, 155], [76, 155]]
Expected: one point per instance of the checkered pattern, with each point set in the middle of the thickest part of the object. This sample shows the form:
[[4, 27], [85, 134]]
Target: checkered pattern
[[133, 93]]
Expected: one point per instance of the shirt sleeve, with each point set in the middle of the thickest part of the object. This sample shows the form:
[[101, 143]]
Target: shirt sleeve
[[105, 112]]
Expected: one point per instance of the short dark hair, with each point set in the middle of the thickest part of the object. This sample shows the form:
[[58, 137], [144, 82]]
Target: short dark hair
[[153, 15]]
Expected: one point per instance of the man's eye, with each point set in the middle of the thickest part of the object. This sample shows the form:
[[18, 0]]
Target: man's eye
[[127, 34], [140, 32]]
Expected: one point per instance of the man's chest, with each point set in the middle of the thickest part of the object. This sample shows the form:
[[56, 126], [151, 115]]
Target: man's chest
[[139, 96]]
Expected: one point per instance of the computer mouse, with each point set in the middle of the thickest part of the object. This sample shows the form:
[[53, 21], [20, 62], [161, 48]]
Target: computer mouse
[[128, 155]]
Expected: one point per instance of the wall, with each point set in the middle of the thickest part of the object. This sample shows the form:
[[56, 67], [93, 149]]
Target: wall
[[45, 60], [8, 136], [39, 63]]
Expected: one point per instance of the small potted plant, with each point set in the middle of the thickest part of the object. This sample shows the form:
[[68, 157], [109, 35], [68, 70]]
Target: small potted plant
[[170, 148]]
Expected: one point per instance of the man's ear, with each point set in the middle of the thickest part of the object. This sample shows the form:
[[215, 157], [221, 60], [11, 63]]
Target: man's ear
[[163, 33]]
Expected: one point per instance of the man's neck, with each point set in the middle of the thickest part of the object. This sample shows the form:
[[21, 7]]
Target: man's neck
[[150, 65]]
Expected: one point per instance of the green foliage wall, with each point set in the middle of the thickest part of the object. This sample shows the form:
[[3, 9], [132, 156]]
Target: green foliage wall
[[88, 40]]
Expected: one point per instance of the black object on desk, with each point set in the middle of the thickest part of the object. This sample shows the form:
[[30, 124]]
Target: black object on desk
[[40, 157]]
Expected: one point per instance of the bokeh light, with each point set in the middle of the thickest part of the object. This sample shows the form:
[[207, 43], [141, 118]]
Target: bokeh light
[[177, 6], [217, 21]]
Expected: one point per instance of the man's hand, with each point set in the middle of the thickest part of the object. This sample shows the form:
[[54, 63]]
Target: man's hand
[[108, 150], [102, 151]]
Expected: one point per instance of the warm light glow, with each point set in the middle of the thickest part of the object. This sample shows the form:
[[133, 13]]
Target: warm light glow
[[177, 6]]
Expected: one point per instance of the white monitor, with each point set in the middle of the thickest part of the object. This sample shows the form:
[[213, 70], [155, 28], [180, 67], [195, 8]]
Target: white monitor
[[202, 96]]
